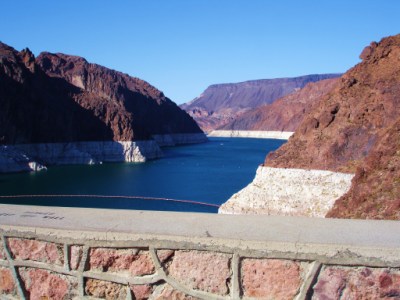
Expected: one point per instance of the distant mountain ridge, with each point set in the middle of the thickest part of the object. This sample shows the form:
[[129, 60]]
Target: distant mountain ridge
[[284, 114], [221, 103]]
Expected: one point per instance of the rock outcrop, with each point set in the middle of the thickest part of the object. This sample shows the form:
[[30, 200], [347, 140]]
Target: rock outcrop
[[220, 104], [354, 129], [64, 100]]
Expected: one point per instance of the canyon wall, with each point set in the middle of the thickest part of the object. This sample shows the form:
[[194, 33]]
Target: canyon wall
[[62, 109], [354, 130]]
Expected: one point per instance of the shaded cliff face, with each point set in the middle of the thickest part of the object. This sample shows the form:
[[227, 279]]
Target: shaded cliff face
[[62, 98], [355, 128], [109, 93], [285, 114], [37, 108], [221, 103]]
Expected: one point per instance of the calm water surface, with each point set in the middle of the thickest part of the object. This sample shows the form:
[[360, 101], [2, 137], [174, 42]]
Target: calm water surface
[[209, 172]]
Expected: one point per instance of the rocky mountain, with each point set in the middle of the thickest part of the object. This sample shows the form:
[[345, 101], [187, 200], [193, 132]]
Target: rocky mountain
[[284, 114], [340, 132], [109, 94], [58, 98], [221, 103], [353, 130]]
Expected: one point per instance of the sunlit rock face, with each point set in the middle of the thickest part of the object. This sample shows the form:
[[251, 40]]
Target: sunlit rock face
[[353, 129]]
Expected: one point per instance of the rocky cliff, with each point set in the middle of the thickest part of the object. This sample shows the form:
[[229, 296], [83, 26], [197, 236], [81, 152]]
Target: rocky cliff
[[128, 105], [58, 98], [340, 132], [284, 114], [219, 104], [355, 129]]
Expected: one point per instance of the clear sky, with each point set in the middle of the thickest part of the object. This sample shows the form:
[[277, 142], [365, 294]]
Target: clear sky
[[182, 46]]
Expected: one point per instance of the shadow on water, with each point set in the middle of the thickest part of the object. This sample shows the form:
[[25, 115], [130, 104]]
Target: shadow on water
[[210, 173]]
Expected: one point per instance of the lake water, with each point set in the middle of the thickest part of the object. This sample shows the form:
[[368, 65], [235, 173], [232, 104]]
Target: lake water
[[209, 173]]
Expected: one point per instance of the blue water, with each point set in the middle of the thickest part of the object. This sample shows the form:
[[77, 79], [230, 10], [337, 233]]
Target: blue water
[[209, 172]]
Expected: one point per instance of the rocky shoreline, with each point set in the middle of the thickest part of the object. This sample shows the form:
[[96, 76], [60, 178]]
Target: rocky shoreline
[[290, 192], [36, 157], [353, 133], [281, 135], [62, 109]]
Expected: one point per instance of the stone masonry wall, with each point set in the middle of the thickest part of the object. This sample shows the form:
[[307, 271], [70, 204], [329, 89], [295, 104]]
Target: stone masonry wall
[[42, 267]]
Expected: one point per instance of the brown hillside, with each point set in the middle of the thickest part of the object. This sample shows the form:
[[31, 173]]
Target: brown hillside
[[341, 131], [63, 98], [285, 114], [375, 192], [356, 129]]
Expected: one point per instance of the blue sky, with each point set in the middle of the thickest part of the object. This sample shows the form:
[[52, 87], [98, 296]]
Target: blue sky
[[183, 46]]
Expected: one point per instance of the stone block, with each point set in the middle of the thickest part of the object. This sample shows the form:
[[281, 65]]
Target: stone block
[[105, 289], [164, 255], [270, 278], [137, 263], [168, 292], [357, 283], [26, 249], [141, 291], [75, 256], [200, 270], [43, 284], [7, 284]]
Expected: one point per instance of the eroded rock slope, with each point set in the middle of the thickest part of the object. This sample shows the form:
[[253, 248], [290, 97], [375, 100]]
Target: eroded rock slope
[[355, 130]]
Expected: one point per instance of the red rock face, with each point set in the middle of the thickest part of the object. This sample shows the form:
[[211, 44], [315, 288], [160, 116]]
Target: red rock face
[[111, 260], [141, 291], [343, 128], [271, 279], [204, 271], [42, 284], [164, 255], [26, 249], [62, 98], [362, 283], [350, 130], [375, 191], [284, 114], [220, 104], [7, 284]]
